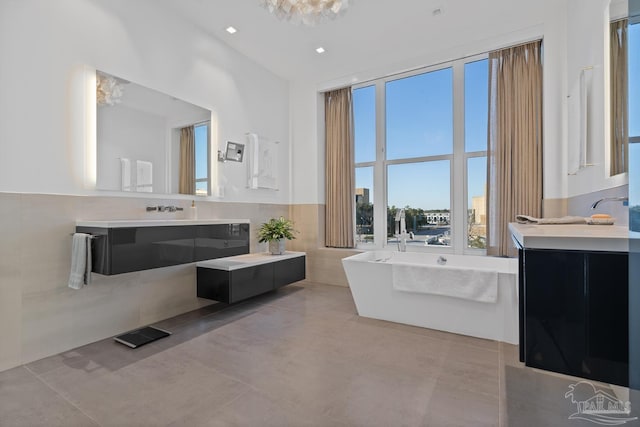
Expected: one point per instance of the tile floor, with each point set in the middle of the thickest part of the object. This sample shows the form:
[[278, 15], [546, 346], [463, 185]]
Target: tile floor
[[300, 356]]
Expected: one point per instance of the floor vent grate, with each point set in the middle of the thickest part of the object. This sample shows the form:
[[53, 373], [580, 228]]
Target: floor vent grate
[[140, 337]]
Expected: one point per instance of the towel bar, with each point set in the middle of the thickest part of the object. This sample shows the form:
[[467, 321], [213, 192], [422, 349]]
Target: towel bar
[[91, 236]]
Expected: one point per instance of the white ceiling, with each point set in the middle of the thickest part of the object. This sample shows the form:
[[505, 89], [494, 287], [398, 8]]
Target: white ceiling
[[372, 33]]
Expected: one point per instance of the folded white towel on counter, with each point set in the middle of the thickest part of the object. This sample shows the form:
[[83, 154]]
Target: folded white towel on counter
[[465, 283], [80, 261], [524, 219]]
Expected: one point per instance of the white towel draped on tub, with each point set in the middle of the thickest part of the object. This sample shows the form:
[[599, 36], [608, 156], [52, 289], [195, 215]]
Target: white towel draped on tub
[[80, 261], [469, 284]]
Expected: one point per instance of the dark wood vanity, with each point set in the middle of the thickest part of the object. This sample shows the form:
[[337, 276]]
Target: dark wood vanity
[[237, 278], [574, 310], [122, 247]]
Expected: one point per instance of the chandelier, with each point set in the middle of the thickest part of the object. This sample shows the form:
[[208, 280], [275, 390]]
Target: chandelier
[[309, 12], [108, 89]]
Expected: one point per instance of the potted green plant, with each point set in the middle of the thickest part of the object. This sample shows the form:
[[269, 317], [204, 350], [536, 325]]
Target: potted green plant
[[276, 232]]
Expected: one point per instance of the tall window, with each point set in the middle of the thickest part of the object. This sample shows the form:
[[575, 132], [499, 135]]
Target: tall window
[[476, 104], [364, 116], [419, 154], [422, 138], [201, 147]]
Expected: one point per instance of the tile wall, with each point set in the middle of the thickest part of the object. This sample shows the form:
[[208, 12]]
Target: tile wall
[[324, 265], [581, 205], [40, 315]]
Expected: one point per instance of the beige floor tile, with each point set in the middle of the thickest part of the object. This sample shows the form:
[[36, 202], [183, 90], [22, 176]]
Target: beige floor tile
[[88, 362], [453, 406], [318, 386], [26, 401], [536, 397], [233, 352], [153, 391], [472, 369], [296, 357], [383, 397], [254, 408]]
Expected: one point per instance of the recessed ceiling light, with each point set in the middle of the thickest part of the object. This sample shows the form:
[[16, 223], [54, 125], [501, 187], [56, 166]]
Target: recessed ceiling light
[[231, 30], [320, 49]]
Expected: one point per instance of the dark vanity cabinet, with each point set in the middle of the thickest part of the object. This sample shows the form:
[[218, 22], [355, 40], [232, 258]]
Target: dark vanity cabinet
[[235, 279], [125, 249], [574, 313]]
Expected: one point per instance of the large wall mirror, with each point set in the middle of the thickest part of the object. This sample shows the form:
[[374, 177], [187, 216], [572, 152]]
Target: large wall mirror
[[150, 142]]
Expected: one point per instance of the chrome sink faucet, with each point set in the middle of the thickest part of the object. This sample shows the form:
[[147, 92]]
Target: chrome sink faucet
[[161, 208], [609, 199], [401, 231]]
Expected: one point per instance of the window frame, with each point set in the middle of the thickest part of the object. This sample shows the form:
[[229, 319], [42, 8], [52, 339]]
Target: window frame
[[457, 160], [632, 139]]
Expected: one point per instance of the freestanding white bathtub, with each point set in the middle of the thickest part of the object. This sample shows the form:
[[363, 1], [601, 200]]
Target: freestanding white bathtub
[[370, 279]]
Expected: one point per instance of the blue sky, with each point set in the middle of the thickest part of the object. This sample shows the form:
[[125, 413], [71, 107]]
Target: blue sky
[[419, 121], [201, 151]]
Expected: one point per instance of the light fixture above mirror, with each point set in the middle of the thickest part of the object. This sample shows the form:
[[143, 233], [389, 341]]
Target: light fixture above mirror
[[109, 89]]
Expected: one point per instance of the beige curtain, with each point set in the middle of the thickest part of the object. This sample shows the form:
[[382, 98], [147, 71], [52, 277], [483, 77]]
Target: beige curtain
[[187, 183], [619, 84], [339, 173], [514, 170]]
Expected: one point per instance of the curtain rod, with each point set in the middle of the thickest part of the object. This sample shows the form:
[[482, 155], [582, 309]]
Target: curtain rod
[[516, 45], [410, 70], [614, 21]]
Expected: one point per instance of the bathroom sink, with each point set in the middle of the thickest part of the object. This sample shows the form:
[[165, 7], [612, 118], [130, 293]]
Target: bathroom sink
[[120, 223], [613, 238], [247, 260]]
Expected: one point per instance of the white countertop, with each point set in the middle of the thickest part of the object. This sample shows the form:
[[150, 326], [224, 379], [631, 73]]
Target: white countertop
[[247, 260], [580, 237], [120, 223]]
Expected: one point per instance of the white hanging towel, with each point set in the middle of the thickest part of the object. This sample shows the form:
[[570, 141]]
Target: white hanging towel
[[80, 261], [144, 176], [254, 157], [578, 123], [125, 172]]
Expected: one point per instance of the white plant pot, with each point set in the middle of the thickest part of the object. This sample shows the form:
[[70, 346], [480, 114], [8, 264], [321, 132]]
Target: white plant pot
[[276, 247]]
